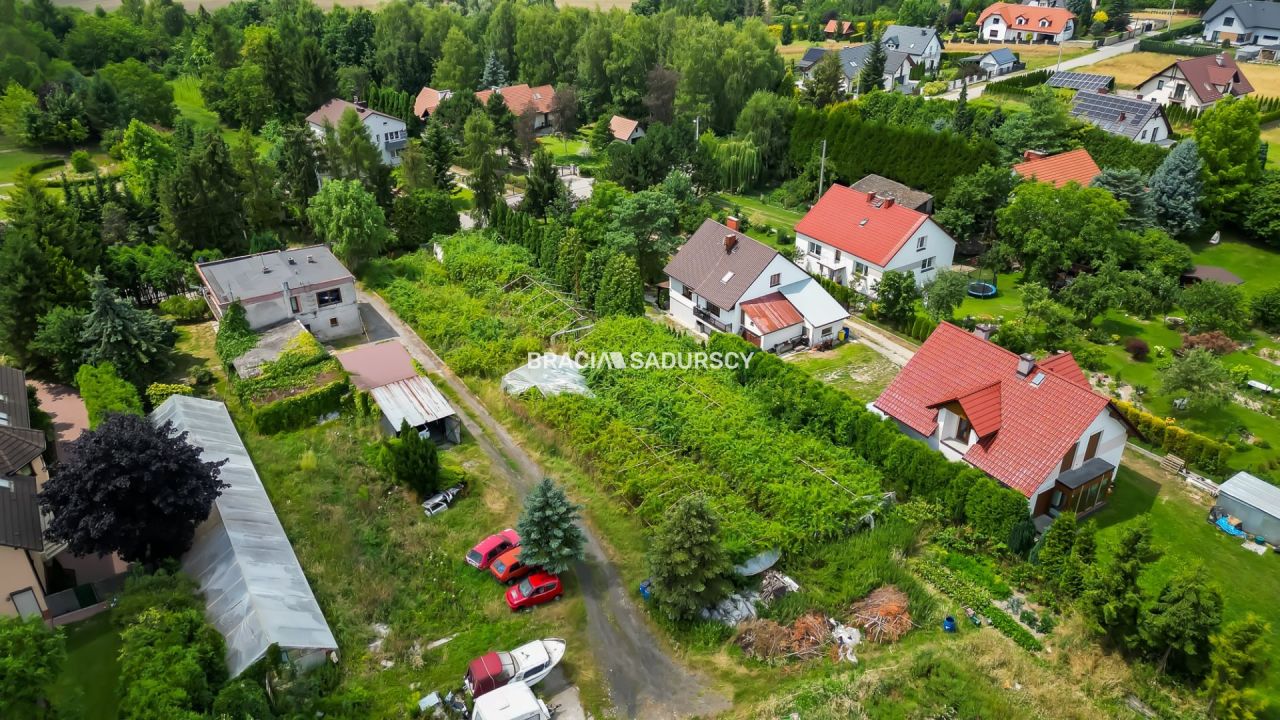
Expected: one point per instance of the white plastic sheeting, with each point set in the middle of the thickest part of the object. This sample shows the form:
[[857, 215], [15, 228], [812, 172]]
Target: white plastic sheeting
[[550, 374], [255, 591]]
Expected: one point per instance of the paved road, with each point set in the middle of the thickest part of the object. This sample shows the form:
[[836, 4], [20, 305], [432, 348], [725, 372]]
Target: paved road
[[644, 682], [1077, 62]]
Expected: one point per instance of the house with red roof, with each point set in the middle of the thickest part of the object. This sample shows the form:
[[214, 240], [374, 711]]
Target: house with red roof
[[625, 129], [1036, 426], [852, 238], [1011, 22], [1074, 166], [1196, 83], [836, 29], [724, 281], [518, 98], [388, 133]]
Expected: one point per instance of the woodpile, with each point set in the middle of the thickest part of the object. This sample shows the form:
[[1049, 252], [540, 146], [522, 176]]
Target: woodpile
[[767, 640], [883, 614]]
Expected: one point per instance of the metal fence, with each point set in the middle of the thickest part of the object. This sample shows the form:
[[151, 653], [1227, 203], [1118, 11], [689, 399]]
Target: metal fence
[[83, 596]]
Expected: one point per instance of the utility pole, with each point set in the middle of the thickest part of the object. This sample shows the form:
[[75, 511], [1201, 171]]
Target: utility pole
[[697, 132], [822, 168]]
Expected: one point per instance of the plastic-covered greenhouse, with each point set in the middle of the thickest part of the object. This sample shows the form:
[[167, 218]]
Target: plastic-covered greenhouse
[[550, 374], [255, 591]]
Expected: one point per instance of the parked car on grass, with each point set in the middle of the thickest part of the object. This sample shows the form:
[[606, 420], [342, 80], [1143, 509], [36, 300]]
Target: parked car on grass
[[507, 568], [441, 501], [538, 588], [491, 547], [527, 664], [513, 702]]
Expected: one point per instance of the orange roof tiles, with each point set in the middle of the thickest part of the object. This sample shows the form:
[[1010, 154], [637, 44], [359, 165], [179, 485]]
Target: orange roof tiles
[[622, 127], [1072, 166], [1030, 16], [861, 224], [521, 97], [772, 312]]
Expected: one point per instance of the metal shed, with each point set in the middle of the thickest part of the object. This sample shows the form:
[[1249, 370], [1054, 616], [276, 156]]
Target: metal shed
[[255, 591], [416, 401], [1255, 502]]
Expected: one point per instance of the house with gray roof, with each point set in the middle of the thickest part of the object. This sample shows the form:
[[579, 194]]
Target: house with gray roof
[[721, 280], [1242, 22], [809, 59], [1139, 120], [23, 577], [922, 44], [897, 67], [306, 284], [389, 134]]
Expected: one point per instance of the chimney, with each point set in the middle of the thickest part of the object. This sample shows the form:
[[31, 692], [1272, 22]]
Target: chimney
[[1123, 115], [888, 202], [1218, 58], [1032, 155], [984, 331], [871, 198], [1026, 361], [730, 241], [732, 223]]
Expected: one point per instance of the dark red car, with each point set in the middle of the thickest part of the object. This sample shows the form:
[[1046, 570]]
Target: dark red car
[[538, 588], [507, 568], [491, 547]]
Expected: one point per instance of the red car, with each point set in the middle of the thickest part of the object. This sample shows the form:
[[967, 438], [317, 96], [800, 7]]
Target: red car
[[491, 547], [538, 588], [507, 568]]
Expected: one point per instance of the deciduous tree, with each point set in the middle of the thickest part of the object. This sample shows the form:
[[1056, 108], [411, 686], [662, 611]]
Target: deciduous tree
[[825, 82], [345, 215], [1198, 377], [550, 537], [1212, 305], [1228, 139], [31, 657], [944, 293], [896, 294], [459, 67], [689, 567]]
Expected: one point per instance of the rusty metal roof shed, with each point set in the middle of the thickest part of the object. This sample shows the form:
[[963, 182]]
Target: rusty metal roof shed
[[414, 400]]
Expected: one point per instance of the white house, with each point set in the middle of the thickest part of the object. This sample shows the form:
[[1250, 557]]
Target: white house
[[1138, 120], [853, 238], [1242, 22], [1036, 426], [625, 129], [1010, 22], [389, 134], [897, 67], [1196, 83], [307, 284], [995, 62], [922, 45], [723, 281]]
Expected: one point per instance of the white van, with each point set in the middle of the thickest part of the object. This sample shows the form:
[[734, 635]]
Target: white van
[[510, 702]]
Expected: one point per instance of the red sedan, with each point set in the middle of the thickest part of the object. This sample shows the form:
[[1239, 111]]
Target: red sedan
[[491, 547], [538, 588]]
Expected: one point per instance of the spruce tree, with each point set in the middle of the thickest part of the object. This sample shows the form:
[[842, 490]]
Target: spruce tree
[[545, 188], [1055, 548], [1177, 627], [872, 75], [1176, 188], [482, 160], [621, 291], [788, 35], [202, 204], [549, 534], [495, 76], [415, 463], [1113, 599], [601, 135], [440, 152], [137, 342], [1237, 660], [962, 121], [689, 567], [1129, 185]]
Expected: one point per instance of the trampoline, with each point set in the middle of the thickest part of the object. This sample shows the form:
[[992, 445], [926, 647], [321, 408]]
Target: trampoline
[[982, 284]]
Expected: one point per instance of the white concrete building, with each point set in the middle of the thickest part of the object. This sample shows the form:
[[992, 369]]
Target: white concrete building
[[389, 134], [853, 238], [307, 284], [1010, 22], [723, 281]]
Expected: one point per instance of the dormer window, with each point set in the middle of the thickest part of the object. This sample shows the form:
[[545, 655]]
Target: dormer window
[[1020, 21], [1044, 23]]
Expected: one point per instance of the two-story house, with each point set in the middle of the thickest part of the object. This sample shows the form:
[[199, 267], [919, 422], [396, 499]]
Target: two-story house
[[922, 45], [1010, 22], [723, 281], [389, 134], [1242, 22], [308, 284], [23, 551], [1196, 83], [897, 67], [853, 238], [1137, 120], [519, 99], [1036, 426]]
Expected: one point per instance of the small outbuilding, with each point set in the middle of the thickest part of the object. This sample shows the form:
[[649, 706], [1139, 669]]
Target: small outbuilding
[[1254, 502], [386, 372], [625, 129]]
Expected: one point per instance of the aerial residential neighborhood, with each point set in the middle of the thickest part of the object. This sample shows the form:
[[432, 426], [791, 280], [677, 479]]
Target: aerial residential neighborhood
[[639, 359]]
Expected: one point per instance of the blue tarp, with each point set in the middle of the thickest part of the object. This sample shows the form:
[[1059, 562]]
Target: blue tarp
[[1227, 528]]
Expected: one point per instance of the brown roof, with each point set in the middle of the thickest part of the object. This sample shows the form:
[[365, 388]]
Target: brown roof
[[1210, 75], [884, 187], [772, 312], [622, 127], [379, 364], [20, 514], [331, 112], [19, 443], [428, 100], [1058, 170], [719, 276], [520, 97]]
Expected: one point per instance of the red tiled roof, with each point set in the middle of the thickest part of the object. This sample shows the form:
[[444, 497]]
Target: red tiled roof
[[772, 312], [834, 25], [622, 127], [331, 112], [1208, 73], [428, 100], [1058, 170], [1031, 16], [520, 97], [1037, 423], [861, 224]]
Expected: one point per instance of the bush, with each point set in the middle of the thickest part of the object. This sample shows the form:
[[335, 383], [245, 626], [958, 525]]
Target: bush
[[297, 411], [104, 391], [235, 337], [157, 393], [1196, 449], [930, 89], [185, 308], [1216, 342], [242, 700], [1137, 348], [81, 162]]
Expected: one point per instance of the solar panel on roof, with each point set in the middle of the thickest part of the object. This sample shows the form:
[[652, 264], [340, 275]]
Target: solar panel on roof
[[1080, 81]]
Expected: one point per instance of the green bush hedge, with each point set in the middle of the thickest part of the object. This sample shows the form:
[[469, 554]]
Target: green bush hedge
[[298, 411], [157, 393], [1203, 452], [1172, 48], [186, 308]]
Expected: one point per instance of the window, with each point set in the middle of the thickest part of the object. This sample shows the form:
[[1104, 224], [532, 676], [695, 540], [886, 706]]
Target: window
[[713, 309], [329, 297], [963, 427], [333, 322], [293, 304], [1091, 449], [775, 280], [995, 19], [927, 265], [921, 243], [859, 268], [686, 292], [994, 33], [826, 332], [815, 249], [837, 256], [1069, 458], [1044, 23], [1159, 84], [1144, 134], [1228, 21], [4, 418]]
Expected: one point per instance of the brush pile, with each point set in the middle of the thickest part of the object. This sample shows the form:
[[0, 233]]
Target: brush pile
[[766, 640], [883, 614]]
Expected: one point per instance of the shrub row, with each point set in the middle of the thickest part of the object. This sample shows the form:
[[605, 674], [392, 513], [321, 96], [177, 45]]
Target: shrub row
[[1018, 84], [300, 410], [975, 598], [1196, 28], [187, 308], [157, 393], [1195, 448], [921, 328], [1172, 48]]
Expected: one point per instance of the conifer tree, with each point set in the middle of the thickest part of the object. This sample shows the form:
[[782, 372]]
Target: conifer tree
[[1237, 660], [440, 152], [788, 35], [962, 121], [621, 290], [689, 567], [495, 76], [548, 528], [482, 159], [137, 342], [201, 202], [823, 87], [545, 188], [1176, 188], [872, 75], [1113, 599], [1177, 626], [415, 463]]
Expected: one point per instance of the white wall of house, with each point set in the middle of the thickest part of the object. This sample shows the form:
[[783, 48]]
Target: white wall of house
[[931, 58], [1110, 448], [937, 252], [682, 308], [388, 134], [1171, 86], [995, 28], [1227, 26], [768, 341], [1155, 130], [334, 319], [819, 334]]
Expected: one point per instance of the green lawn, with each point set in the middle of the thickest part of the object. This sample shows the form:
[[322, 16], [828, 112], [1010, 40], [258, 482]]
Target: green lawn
[[1256, 264], [92, 669], [14, 156], [1249, 583], [570, 151], [1007, 303], [759, 214], [186, 95], [852, 367]]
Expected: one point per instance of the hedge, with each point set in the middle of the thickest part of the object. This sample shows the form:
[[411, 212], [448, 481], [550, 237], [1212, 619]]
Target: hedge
[[157, 393], [1018, 85], [1117, 151], [104, 391], [297, 411], [1172, 48], [1195, 28], [971, 596], [1193, 447]]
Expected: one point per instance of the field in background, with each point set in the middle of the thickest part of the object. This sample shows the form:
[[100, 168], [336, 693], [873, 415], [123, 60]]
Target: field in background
[[1132, 68], [211, 5]]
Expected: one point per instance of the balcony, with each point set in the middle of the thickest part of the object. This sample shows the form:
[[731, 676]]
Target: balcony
[[710, 319]]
